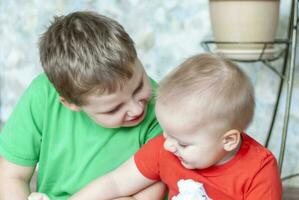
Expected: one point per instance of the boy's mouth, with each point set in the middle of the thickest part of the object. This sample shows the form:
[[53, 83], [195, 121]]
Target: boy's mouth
[[138, 118]]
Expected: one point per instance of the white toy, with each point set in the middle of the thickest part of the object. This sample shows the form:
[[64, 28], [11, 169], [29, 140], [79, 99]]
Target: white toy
[[38, 196], [191, 190]]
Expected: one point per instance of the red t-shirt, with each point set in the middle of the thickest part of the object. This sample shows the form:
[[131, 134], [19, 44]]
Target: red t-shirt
[[252, 174]]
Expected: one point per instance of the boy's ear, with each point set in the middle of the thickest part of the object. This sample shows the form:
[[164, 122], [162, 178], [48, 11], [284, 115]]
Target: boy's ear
[[69, 105], [231, 140]]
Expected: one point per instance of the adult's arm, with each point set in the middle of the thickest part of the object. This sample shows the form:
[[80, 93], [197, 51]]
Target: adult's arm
[[122, 182], [14, 180]]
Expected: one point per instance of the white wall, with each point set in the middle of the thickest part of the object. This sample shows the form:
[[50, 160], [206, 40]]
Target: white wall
[[165, 32]]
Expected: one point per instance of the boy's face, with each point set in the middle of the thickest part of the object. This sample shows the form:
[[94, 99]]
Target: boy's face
[[123, 108], [196, 146]]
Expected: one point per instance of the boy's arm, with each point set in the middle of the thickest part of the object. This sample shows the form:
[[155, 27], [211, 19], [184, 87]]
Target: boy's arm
[[14, 180], [124, 181], [154, 192]]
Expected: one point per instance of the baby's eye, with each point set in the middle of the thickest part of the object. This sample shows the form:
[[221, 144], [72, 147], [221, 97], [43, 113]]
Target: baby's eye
[[183, 145]]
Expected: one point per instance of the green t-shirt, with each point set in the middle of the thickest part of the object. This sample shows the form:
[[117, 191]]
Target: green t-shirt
[[71, 150]]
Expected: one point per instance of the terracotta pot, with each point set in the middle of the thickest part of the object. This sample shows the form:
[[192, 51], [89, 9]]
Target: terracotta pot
[[244, 21]]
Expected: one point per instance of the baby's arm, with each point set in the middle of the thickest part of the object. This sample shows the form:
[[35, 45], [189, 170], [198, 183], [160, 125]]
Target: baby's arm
[[124, 181]]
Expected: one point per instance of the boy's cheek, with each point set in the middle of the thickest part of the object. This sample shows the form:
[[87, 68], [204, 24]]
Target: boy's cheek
[[147, 96], [109, 121]]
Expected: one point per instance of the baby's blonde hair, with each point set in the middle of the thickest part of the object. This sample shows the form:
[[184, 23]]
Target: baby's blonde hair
[[217, 86]]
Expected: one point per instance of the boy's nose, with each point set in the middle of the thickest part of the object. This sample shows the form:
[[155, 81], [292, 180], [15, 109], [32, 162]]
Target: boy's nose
[[136, 108]]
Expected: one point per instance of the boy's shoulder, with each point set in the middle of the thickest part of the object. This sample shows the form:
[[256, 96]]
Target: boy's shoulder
[[40, 83], [41, 80], [40, 90]]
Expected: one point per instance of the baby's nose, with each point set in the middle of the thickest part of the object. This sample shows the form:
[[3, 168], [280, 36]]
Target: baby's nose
[[170, 146]]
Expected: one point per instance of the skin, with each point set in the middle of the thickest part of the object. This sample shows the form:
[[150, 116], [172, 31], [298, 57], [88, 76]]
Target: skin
[[14, 180], [197, 145], [115, 184], [124, 108]]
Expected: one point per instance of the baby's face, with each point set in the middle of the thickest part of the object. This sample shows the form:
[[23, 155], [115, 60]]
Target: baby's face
[[123, 108], [197, 146]]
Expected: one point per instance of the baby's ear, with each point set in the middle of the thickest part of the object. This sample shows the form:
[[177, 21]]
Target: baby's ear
[[231, 140], [69, 105]]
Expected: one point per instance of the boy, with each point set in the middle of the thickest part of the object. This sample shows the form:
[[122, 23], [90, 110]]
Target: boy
[[203, 107], [89, 112]]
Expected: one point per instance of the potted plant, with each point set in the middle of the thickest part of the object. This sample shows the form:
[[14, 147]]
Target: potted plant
[[244, 21]]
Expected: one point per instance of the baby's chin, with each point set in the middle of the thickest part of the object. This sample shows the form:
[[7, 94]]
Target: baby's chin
[[192, 166], [187, 166]]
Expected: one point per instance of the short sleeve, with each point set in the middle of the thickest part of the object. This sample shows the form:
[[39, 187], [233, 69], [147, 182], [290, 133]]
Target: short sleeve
[[21, 135], [147, 158], [266, 183]]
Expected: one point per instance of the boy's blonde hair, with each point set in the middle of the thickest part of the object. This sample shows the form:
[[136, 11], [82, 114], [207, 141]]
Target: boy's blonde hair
[[85, 52], [217, 86]]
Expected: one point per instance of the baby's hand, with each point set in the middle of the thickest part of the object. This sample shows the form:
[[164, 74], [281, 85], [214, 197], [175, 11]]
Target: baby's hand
[[38, 196]]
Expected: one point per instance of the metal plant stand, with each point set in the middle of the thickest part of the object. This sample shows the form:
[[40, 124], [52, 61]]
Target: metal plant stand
[[288, 53]]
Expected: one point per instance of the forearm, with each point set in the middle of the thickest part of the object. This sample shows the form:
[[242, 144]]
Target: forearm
[[115, 184], [13, 189], [100, 189], [154, 192]]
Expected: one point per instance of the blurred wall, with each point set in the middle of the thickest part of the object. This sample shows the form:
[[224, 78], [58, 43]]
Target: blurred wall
[[165, 33]]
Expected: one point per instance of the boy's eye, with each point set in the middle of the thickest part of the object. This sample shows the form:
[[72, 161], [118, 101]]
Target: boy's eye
[[114, 110], [140, 86]]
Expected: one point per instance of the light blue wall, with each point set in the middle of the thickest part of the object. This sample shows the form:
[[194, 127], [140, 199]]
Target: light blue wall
[[165, 32]]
